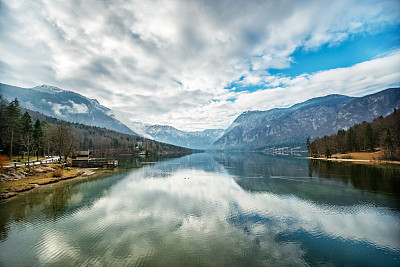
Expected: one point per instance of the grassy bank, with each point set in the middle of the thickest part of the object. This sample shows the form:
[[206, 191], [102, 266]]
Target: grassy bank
[[359, 158], [15, 180]]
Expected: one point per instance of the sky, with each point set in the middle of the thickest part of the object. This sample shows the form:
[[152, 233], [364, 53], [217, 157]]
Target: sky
[[199, 64]]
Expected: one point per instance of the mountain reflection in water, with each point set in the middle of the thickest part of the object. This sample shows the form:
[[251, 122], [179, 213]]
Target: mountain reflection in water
[[210, 209], [325, 182]]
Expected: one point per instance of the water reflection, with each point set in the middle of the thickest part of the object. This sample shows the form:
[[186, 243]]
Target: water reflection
[[371, 178], [331, 183], [218, 210]]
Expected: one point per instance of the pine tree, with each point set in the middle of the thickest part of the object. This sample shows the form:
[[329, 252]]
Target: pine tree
[[13, 122], [368, 142], [328, 153], [351, 139], [27, 134], [3, 126], [308, 144], [388, 142]]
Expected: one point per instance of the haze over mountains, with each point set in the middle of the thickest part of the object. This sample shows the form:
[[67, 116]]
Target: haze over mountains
[[252, 130]]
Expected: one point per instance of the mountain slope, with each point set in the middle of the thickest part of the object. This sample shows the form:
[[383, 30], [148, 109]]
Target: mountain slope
[[64, 105], [315, 117], [368, 108]]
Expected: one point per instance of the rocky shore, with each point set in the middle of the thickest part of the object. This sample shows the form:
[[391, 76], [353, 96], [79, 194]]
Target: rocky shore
[[16, 180]]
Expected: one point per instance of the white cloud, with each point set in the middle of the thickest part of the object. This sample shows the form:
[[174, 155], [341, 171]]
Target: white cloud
[[358, 80], [169, 62], [72, 108]]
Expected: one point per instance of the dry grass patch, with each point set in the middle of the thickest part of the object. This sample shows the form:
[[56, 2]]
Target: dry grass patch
[[360, 155], [38, 178]]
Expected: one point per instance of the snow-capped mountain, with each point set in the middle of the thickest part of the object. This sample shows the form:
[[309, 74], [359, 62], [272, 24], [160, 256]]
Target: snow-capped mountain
[[168, 134], [196, 140], [64, 105], [315, 117]]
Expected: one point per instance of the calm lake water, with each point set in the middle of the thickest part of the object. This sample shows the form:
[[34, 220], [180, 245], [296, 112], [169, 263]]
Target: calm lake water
[[210, 210]]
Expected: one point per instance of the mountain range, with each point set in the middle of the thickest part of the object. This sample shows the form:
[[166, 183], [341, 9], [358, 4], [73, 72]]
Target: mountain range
[[70, 106], [256, 130], [252, 130], [168, 134]]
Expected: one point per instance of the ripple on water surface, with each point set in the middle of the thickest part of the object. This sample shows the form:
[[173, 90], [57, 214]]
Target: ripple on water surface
[[182, 213]]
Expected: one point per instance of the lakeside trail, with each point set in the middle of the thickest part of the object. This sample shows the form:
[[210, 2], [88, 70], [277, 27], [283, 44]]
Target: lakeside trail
[[358, 158], [16, 180]]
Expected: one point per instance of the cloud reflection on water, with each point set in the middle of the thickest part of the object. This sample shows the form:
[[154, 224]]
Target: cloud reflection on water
[[184, 214]]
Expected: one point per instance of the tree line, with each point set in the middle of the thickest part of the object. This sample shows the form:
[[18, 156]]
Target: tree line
[[28, 133], [22, 136], [380, 134]]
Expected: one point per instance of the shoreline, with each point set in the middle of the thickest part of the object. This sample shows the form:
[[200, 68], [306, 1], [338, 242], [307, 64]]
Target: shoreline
[[357, 161], [15, 187]]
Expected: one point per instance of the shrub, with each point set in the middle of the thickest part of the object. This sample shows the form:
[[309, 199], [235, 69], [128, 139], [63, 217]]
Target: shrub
[[57, 173]]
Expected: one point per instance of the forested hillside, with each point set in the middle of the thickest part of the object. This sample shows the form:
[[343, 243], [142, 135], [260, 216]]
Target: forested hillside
[[28, 132], [380, 134], [320, 116]]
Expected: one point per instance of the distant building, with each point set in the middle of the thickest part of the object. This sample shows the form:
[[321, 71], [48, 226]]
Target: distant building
[[82, 155]]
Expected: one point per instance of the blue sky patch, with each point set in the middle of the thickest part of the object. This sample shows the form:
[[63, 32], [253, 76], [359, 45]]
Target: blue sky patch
[[358, 48]]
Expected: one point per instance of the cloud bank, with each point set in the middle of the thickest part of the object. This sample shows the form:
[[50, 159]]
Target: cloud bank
[[70, 108], [172, 62]]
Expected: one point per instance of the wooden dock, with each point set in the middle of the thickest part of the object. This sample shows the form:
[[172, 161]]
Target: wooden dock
[[95, 163]]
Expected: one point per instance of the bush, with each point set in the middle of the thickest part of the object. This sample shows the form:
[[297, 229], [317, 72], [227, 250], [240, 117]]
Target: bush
[[58, 173], [347, 157]]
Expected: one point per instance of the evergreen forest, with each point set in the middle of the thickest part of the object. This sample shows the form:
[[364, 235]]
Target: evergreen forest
[[380, 134]]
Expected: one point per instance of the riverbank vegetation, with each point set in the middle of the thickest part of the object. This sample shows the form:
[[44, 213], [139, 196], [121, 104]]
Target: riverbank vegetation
[[378, 140]]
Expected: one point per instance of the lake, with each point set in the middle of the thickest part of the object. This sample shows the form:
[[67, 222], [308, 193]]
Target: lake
[[210, 210]]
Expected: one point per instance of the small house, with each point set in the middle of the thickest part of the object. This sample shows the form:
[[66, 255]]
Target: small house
[[82, 155]]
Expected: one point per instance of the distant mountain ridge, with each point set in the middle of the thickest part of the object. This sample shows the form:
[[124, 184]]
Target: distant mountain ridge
[[197, 140], [168, 134], [254, 130], [64, 105]]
